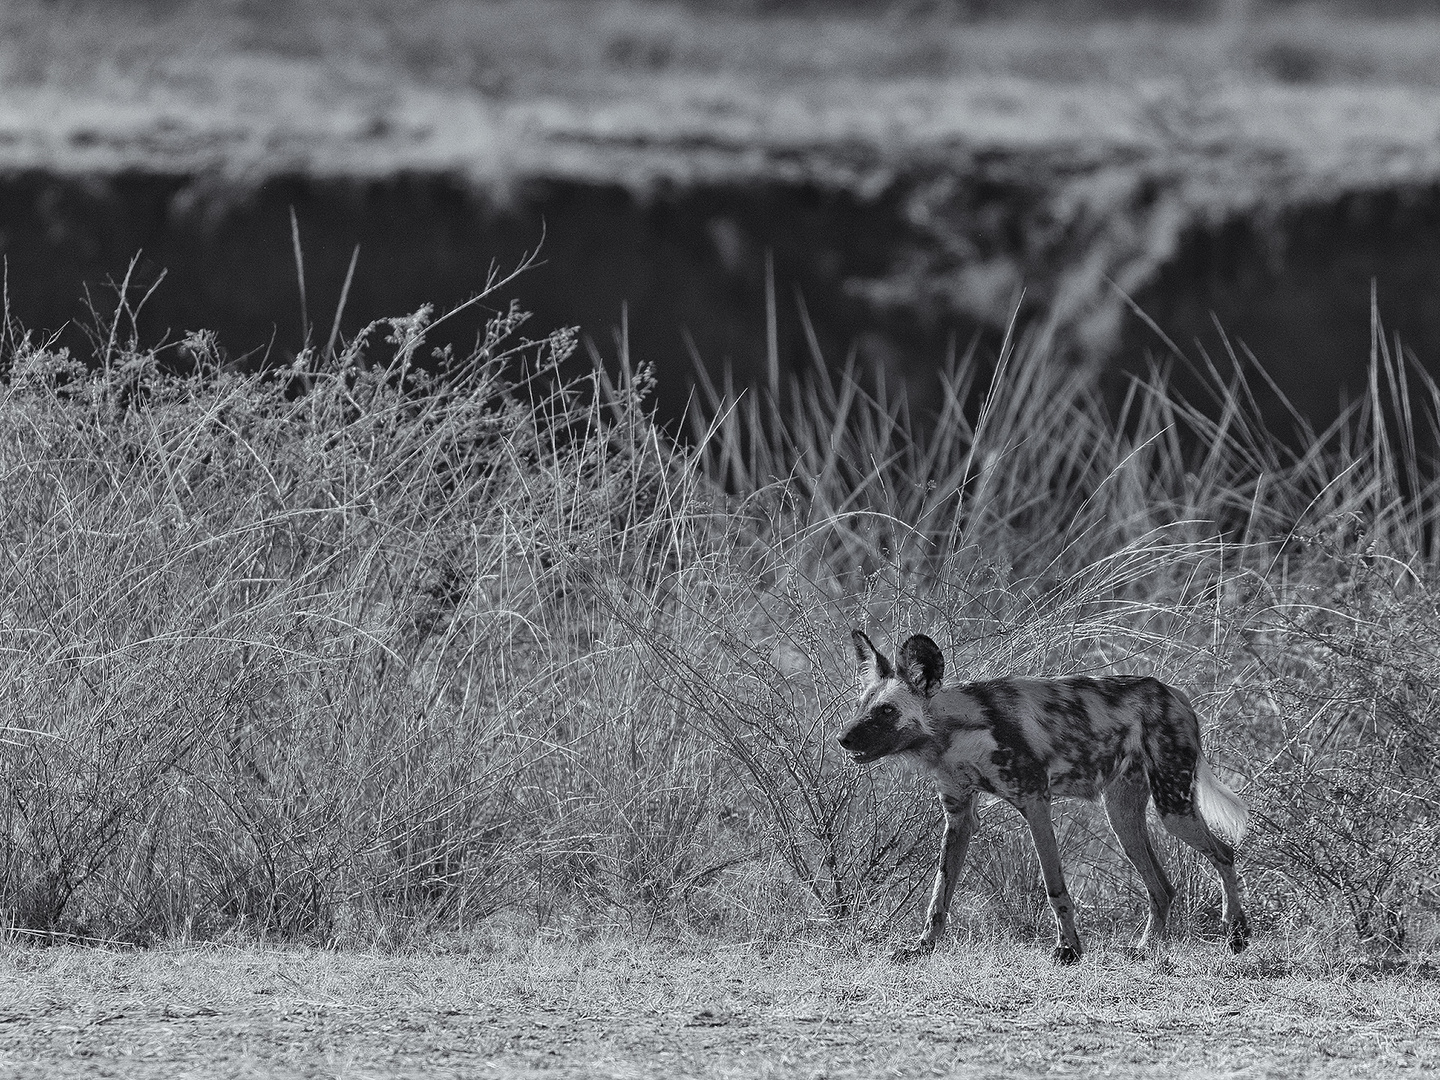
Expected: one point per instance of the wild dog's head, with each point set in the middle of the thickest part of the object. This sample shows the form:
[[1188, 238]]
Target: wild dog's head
[[890, 718]]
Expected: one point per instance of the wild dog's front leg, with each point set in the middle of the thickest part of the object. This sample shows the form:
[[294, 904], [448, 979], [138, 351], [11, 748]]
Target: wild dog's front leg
[[959, 827], [1067, 941]]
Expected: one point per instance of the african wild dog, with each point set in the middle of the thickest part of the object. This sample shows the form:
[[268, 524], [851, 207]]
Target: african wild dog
[[1130, 738]]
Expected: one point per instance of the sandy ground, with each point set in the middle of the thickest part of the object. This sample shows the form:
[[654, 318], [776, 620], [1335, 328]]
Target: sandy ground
[[616, 1009]]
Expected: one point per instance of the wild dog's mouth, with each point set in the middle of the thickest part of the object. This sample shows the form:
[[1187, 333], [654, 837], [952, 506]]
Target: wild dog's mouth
[[868, 741], [864, 757]]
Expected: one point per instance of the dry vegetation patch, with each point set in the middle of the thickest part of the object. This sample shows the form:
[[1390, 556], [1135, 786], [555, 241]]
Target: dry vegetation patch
[[391, 640]]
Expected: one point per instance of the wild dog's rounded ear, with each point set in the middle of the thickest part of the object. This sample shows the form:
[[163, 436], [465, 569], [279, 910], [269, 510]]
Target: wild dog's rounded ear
[[921, 665], [872, 664]]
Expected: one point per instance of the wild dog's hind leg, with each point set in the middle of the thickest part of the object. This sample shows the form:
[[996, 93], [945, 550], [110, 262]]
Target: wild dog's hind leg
[[959, 827], [1125, 802], [1179, 780], [1190, 828], [1067, 942]]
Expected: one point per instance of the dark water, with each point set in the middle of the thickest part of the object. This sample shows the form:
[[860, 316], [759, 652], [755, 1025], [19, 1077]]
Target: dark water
[[1297, 292], [677, 265], [689, 263]]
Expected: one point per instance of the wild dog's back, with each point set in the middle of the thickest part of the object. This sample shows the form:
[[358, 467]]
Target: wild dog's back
[[1065, 736]]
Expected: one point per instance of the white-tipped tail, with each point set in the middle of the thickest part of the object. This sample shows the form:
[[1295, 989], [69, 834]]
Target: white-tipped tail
[[1219, 806]]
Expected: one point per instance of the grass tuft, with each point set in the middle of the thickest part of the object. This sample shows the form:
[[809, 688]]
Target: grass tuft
[[394, 640]]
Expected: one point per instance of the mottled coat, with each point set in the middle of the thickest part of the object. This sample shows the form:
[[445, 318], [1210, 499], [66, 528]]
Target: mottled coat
[[1124, 738]]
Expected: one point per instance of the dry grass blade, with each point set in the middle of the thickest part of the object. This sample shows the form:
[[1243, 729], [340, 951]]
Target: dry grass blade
[[380, 646]]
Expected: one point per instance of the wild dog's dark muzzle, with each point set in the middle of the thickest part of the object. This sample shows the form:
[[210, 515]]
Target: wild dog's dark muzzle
[[869, 738]]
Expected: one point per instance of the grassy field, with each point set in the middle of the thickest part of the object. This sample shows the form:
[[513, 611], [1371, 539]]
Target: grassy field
[[385, 642], [621, 1008]]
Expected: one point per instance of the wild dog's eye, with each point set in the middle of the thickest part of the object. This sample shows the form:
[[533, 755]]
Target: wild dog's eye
[[887, 710]]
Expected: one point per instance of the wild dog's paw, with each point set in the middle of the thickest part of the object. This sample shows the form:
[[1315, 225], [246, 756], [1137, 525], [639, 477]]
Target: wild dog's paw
[[1065, 955], [903, 954]]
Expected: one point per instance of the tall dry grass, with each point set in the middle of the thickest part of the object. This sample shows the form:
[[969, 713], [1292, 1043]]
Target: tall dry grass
[[394, 640]]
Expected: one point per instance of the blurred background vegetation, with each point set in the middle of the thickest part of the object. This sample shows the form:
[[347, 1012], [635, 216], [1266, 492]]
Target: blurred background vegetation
[[499, 46]]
